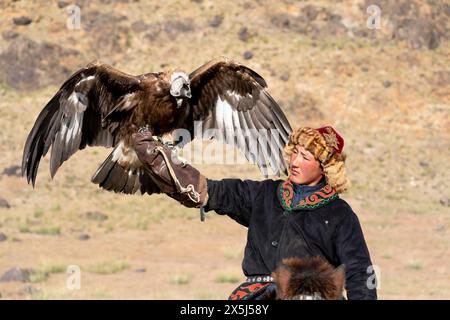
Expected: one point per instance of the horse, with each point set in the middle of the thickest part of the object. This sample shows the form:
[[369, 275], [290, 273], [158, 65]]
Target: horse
[[311, 278]]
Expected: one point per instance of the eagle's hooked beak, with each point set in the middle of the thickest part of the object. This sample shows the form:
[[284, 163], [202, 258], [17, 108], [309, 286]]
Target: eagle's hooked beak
[[180, 88], [185, 91]]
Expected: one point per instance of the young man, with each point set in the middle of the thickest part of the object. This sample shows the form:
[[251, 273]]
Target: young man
[[302, 216]]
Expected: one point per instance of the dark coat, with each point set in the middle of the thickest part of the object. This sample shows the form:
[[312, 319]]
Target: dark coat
[[321, 224]]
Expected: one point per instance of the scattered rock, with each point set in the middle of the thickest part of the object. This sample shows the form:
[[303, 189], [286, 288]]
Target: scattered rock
[[154, 30], [106, 32], [215, 21], [311, 21], [30, 290], [84, 236], [424, 164], [9, 35], [310, 12], [285, 76], [4, 203], [3, 237], [243, 34], [141, 270], [440, 228], [418, 33], [13, 171], [29, 65], [22, 21], [360, 32], [419, 24], [304, 103], [445, 202], [387, 84], [139, 26], [16, 274], [248, 55], [174, 27], [95, 215], [281, 20], [62, 4]]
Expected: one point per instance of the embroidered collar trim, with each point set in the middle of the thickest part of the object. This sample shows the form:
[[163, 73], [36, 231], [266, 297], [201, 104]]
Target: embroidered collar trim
[[313, 201]]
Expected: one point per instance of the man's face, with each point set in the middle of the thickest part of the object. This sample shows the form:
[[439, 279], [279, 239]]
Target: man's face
[[304, 168]]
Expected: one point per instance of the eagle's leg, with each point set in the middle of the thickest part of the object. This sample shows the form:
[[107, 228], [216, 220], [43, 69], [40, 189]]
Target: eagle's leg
[[173, 145]]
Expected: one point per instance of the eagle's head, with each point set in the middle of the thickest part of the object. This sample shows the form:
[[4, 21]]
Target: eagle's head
[[180, 85]]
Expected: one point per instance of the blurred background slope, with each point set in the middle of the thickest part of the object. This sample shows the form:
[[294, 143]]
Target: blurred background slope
[[386, 90]]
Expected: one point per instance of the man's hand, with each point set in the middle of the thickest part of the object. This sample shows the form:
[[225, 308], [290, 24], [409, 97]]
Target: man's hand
[[178, 180]]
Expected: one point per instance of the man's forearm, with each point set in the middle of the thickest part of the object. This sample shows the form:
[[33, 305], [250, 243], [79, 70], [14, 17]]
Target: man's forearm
[[230, 197], [358, 288]]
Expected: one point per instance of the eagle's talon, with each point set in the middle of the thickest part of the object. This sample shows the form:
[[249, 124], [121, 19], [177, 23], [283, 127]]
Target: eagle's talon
[[169, 144]]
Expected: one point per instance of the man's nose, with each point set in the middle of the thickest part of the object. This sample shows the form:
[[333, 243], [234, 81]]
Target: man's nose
[[295, 161]]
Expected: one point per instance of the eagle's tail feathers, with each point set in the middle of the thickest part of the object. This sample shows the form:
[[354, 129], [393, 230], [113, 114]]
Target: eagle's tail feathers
[[112, 176]]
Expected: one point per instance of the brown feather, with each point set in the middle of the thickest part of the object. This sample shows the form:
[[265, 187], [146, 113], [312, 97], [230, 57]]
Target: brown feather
[[102, 106]]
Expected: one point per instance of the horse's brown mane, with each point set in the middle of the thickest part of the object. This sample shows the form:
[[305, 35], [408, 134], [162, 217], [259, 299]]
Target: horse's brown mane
[[309, 276]]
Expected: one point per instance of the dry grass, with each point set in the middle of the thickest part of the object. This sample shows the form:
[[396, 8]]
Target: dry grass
[[108, 267]]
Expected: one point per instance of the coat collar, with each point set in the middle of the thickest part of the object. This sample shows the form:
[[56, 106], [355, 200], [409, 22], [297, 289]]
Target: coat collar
[[285, 192]]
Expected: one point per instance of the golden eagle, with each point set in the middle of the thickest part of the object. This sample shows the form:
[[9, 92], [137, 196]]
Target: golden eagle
[[102, 106]]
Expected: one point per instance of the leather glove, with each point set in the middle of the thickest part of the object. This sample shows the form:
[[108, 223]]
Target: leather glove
[[180, 181]]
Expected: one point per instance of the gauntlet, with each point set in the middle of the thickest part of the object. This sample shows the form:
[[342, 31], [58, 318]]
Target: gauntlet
[[178, 180]]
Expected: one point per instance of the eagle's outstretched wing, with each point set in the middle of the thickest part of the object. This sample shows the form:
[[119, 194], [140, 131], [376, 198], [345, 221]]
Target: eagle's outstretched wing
[[233, 100], [86, 111]]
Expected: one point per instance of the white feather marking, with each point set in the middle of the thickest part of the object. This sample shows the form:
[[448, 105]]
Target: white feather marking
[[63, 131], [128, 99], [237, 96], [73, 99], [239, 134], [227, 112], [118, 152], [219, 119], [86, 79], [72, 130], [79, 101], [126, 157]]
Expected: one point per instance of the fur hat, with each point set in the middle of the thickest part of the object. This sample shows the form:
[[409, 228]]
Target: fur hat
[[326, 144]]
